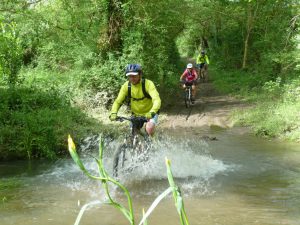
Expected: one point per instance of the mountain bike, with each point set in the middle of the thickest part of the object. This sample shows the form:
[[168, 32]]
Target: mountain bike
[[188, 95], [202, 71], [134, 148]]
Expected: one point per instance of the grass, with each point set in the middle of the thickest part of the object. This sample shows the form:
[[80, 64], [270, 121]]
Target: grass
[[277, 102]]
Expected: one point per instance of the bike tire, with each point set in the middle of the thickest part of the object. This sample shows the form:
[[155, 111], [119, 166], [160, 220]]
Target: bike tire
[[201, 74], [142, 149], [187, 100], [119, 159], [206, 76]]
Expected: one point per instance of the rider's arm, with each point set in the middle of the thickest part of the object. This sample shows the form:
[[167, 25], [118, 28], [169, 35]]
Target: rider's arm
[[206, 59], [183, 75], [150, 87], [120, 99], [196, 74], [198, 59]]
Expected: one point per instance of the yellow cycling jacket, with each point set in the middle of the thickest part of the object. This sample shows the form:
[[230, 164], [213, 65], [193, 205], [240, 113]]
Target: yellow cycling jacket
[[202, 59], [138, 107]]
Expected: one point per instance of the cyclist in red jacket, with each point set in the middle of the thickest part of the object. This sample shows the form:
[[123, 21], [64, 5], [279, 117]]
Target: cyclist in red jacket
[[189, 78]]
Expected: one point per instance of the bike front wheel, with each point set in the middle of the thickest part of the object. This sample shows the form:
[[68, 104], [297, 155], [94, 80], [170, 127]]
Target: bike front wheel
[[187, 99], [119, 159]]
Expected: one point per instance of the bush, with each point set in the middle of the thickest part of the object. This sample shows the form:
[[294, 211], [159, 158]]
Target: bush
[[35, 124]]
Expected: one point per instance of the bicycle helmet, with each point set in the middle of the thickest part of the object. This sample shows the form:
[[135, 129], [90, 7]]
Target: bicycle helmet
[[189, 66], [133, 69]]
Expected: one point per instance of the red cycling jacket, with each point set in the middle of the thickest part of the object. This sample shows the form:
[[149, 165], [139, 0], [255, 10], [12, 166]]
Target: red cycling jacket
[[189, 76]]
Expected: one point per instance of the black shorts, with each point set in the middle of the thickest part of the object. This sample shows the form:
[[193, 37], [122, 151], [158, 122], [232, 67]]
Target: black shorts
[[201, 65], [190, 83]]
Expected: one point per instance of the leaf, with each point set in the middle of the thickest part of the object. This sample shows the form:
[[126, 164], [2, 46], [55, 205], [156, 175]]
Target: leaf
[[155, 203], [84, 208]]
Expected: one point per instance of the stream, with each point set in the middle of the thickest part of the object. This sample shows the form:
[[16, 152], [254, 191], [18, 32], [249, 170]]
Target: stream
[[236, 179]]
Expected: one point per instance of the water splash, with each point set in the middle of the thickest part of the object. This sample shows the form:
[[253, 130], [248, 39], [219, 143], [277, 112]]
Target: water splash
[[189, 159], [192, 164]]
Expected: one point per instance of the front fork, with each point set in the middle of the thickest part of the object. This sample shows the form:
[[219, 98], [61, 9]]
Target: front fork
[[136, 142]]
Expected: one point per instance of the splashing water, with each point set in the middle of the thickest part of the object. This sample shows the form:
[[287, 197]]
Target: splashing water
[[192, 165]]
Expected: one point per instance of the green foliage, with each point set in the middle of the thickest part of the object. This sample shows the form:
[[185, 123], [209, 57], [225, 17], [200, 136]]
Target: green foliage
[[272, 88], [280, 102], [276, 101], [34, 123], [237, 81], [259, 33], [283, 120], [101, 37], [106, 77], [149, 36], [70, 48], [10, 53], [291, 93]]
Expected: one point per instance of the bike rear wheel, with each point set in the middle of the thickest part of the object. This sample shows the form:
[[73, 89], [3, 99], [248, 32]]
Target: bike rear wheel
[[204, 75]]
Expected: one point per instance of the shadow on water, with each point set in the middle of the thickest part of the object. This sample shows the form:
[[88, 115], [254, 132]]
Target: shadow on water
[[238, 179]]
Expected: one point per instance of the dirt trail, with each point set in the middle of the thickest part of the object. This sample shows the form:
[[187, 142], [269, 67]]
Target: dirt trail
[[210, 109]]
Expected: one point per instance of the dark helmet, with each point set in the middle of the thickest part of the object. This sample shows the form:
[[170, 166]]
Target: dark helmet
[[133, 69]]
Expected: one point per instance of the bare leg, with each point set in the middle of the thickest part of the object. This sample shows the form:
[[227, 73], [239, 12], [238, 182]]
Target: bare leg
[[150, 128], [205, 72], [194, 91]]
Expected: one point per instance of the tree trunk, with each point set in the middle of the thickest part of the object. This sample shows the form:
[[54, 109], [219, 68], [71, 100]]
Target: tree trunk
[[250, 21], [246, 48], [110, 33]]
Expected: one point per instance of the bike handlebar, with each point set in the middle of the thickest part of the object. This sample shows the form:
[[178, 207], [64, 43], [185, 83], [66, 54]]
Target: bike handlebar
[[132, 118], [188, 82]]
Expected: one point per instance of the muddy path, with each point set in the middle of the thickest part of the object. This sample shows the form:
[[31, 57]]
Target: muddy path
[[210, 109]]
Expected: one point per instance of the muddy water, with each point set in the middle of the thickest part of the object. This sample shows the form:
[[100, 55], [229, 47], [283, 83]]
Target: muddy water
[[237, 179]]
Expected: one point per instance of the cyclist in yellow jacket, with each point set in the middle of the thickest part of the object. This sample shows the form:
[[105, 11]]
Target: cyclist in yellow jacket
[[143, 97], [202, 61]]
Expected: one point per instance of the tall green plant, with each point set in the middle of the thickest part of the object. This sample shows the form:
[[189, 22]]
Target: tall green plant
[[10, 53], [127, 211]]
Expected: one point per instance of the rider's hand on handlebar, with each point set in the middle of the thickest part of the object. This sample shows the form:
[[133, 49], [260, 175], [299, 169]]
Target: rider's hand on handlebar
[[113, 116], [150, 115]]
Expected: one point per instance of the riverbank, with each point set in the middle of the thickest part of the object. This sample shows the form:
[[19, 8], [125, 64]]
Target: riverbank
[[275, 102]]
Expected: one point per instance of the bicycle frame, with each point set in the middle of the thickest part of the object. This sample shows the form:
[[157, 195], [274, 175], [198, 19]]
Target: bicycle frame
[[136, 123], [131, 142], [188, 96], [202, 72], [188, 91]]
